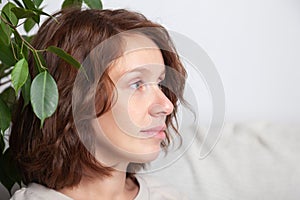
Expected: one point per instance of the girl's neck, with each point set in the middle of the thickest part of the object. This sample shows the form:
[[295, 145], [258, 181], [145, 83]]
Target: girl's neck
[[117, 186]]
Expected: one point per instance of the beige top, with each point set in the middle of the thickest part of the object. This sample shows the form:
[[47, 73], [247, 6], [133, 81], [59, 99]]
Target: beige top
[[150, 189]]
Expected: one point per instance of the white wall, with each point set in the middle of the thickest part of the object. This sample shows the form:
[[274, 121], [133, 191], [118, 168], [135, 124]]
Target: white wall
[[254, 45]]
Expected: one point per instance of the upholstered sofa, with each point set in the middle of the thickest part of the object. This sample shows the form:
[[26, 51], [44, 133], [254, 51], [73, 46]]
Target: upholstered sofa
[[250, 161]]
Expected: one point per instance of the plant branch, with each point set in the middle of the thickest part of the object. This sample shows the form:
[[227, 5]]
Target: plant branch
[[5, 82], [16, 31], [35, 51], [38, 58], [13, 50], [6, 22], [20, 24]]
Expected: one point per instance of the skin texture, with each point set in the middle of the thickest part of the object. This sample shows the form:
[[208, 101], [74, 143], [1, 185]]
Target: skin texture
[[132, 131], [140, 106]]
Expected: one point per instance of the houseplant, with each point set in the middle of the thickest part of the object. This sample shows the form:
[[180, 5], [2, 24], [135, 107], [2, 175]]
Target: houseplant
[[14, 74]]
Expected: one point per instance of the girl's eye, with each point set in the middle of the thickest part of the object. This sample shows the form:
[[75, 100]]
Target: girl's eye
[[136, 85]]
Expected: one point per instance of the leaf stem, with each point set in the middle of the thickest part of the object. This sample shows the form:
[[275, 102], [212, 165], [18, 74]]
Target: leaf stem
[[38, 58], [35, 51], [6, 22], [16, 31], [13, 50], [22, 48]]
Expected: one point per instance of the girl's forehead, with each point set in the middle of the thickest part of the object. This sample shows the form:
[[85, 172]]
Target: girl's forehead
[[139, 51], [135, 42], [150, 59]]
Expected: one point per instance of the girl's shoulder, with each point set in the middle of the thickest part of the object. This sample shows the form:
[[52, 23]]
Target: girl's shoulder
[[36, 191]]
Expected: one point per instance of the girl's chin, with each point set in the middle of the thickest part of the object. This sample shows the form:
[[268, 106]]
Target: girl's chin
[[141, 155], [144, 157]]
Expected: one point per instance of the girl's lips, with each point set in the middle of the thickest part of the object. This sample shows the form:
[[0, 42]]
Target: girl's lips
[[157, 132]]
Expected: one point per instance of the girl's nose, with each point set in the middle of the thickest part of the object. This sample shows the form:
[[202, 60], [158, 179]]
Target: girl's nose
[[161, 105]]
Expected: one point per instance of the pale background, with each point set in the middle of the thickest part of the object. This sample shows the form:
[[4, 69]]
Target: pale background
[[254, 44]]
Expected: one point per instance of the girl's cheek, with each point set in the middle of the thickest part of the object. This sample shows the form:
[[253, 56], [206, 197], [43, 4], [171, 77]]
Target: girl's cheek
[[138, 114]]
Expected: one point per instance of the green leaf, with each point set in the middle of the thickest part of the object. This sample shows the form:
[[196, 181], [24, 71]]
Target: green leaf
[[16, 45], [5, 33], [9, 97], [23, 13], [37, 2], [43, 96], [6, 54], [17, 39], [71, 3], [20, 50], [8, 14], [5, 116], [40, 12], [24, 52], [36, 18], [29, 24], [95, 4], [26, 91], [29, 4], [65, 56], [19, 74]]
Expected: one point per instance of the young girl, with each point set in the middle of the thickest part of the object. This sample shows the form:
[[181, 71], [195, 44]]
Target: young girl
[[113, 116]]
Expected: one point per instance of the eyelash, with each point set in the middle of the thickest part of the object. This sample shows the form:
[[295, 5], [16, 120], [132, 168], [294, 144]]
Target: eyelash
[[137, 85]]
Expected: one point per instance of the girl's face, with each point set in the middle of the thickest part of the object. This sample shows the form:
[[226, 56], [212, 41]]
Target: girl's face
[[135, 125]]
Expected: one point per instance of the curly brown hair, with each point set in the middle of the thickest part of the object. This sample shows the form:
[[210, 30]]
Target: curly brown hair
[[54, 155]]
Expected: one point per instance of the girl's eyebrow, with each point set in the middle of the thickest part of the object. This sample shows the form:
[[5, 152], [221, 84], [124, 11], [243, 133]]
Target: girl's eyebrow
[[144, 69]]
